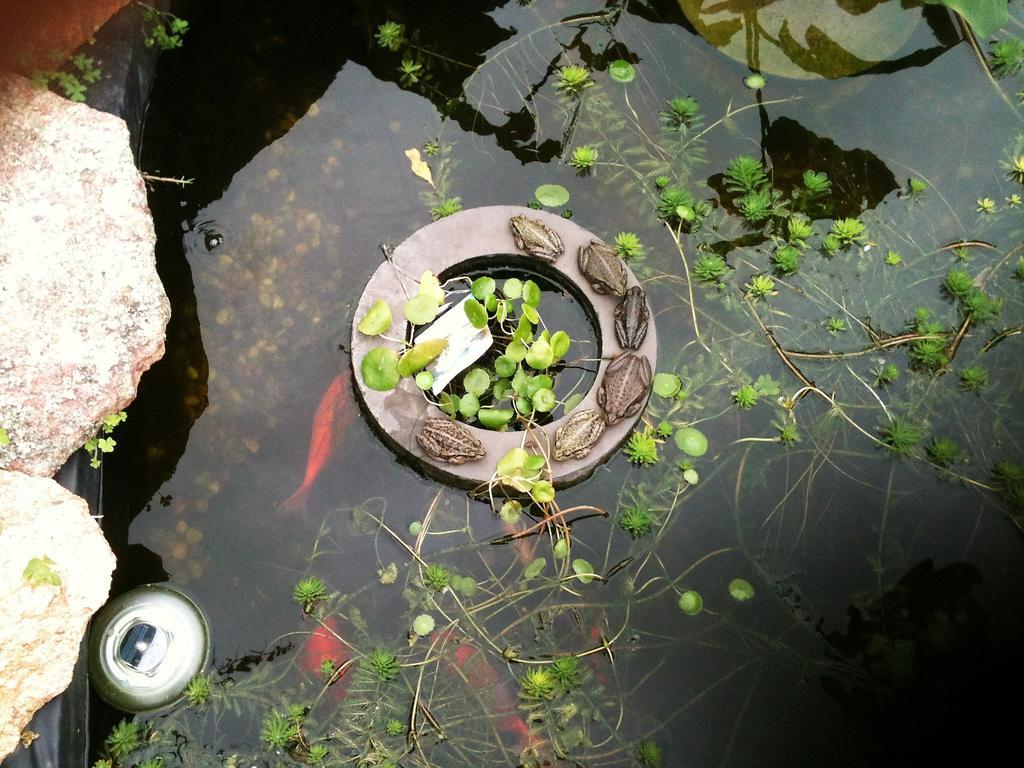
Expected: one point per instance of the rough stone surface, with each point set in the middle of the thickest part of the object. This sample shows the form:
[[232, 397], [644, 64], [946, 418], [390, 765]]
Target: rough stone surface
[[32, 29], [83, 309], [42, 626]]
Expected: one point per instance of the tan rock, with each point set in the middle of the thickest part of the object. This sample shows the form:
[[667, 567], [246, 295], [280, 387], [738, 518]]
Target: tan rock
[[43, 625]]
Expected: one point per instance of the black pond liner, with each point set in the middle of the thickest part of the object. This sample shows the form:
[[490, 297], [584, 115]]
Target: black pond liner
[[128, 67]]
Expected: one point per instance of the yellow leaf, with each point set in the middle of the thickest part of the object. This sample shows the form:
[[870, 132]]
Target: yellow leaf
[[419, 167]]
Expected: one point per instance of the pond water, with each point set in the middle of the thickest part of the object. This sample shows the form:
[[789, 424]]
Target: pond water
[[886, 609]]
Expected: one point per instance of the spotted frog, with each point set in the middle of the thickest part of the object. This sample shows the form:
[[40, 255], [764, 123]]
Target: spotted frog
[[603, 268], [631, 318], [577, 436], [624, 388], [536, 238], [447, 441]]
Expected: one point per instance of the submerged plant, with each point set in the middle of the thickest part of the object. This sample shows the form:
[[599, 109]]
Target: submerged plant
[[893, 258], [445, 207], [942, 451], [636, 520], [277, 731], [1007, 57], [628, 246], [786, 260], [573, 80], [761, 204], [384, 664], [436, 577], [817, 183], [760, 286], [673, 202], [584, 157], [745, 397], [409, 71], [973, 378], [916, 188], [125, 738], [648, 754], [886, 374], [710, 268], [567, 671], [799, 229], [899, 437], [389, 35], [848, 231], [642, 447], [1016, 172], [394, 727], [197, 692], [744, 175], [788, 434], [537, 683], [681, 113], [958, 283], [986, 205], [836, 325], [308, 592]]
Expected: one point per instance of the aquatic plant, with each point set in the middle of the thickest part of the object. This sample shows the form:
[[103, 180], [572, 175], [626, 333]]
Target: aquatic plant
[[754, 81], [648, 754], [308, 592], [886, 374], [197, 691], [628, 246], [98, 444], [916, 188], [277, 731], [817, 183], [942, 451], [830, 244], [1018, 272], [745, 397], [1016, 169], [642, 447], [672, 202], [710, 268], [636, 520], [445, 207], [799, 228], [317, 754], [760, 286], [436, 577], [786, 260], [744, 174], [973, 378], [384, 664], [394, 727], [567, 671], [162, 29], [848, 231], [691, 441], [537, 683], [787, 433], [573, 80], [390, 35], [836, 325], [761, 204], [681, 113], [327, 669], [741, 590], [584, 157], [981, 307], [893, 258], [958, 283], [125, 737], [662, 181], [899, 437], [1014, 200], [691, 603], [1006, 57], [986, 205], [927, 355], [152, 762]]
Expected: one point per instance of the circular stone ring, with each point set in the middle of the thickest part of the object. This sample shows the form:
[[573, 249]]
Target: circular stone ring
[[610, 408]]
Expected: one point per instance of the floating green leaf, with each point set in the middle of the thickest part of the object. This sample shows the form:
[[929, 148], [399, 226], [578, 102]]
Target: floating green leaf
[[540, 356], [690, 476], [512, 288], [495, 418], [552, 195], [560, 343], [380, 369], [377, 319], [476, 381], [430, 286], [690, 602], [531, 314], [420, 356], [483, 287], [475, 312], [510, 512], [448, 403], [534, 568], [741, 589], [424, 380], [544, 400], [531, 294], [469, 405], [691, 441], [423, 624], [516, 351], [621, 71], [561, 549], [504, 366], [667, 384], [543, 492], [420, 309], [584, 571]]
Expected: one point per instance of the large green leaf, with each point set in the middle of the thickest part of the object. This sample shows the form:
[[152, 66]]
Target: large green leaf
[[377, 319], [420, 356], [984, 16], [380, 369], [552, 195]]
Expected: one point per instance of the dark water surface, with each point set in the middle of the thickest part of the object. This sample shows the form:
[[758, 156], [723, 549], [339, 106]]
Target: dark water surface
[[887, 613]]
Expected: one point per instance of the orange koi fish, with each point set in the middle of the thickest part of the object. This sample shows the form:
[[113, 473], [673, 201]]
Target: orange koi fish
[[324, 644], [332, 417]]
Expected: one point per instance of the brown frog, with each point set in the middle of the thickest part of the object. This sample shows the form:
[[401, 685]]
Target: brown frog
[[577, 436], [624, 388], [447, 441], [631, 316], [602, 267], [536, 238]]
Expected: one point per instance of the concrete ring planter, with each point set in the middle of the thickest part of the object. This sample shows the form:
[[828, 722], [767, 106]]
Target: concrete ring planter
[[470, 235]]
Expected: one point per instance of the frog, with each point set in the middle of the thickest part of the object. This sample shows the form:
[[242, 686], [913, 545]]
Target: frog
[[624, 388], [577, 436], [602, 268], [447, 441], [536, 238], [631, 317]]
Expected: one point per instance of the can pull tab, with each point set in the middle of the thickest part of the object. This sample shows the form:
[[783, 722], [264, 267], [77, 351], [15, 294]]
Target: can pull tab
[[143, 647]]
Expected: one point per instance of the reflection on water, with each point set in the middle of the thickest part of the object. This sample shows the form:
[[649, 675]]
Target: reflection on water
[[296, 135]]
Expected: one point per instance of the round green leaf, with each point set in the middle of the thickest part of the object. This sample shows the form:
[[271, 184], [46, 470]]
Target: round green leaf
[[420, 309], [501, 310], [552, 195], [531, 314], [516, 350], [424, 380], [430, 286], [415, 528], [512, 288], [502, 388], [495, 418], [510, 512], [534, 568], [621, 71], [535, 384], [531, 293], [741, 589], [380, 369], [448, 403], [691, 441], [540, 356], [561, 549], [544, 400], [465, 585], [543, 492], [560, 344], [423, 624], [534, 463], [584, 571], [482, 288], [377, 319], [420, 356], [667, 384], [690, 602], [691, 476], [491, 303], [476, 313], [505, 366], [523, 331], [476, 381], [469, 404]]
